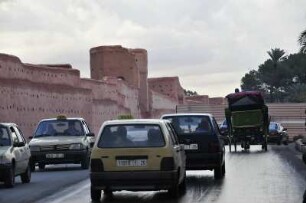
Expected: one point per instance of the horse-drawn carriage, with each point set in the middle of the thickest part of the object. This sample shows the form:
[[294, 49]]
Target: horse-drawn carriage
[[248, 120]]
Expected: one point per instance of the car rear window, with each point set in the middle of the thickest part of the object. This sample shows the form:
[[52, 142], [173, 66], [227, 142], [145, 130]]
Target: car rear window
[[131, 135], [190, 124]]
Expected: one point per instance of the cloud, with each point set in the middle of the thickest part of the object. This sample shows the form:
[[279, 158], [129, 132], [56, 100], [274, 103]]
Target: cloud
[[210, 45]]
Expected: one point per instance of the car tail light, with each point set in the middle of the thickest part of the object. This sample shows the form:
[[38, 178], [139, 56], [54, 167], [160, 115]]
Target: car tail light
[[213, 147], [96, 165], [167, 164]]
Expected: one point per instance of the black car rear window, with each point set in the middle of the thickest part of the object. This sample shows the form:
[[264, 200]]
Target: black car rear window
[[131, 136], [190, 124]]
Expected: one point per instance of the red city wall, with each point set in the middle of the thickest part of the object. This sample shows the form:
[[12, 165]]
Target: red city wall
[[29, 93]]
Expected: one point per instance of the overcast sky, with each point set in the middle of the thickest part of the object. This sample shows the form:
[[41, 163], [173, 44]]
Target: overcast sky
[[209, 44]]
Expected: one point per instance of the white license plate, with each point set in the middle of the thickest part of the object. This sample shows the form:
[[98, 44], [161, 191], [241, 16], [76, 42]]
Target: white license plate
[[54, 156], [135, 162], [191, 147]]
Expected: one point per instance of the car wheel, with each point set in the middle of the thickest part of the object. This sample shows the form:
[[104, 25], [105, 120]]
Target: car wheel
[[26, 176], [41, 166], [32, 166], [9, 180], [182, 186], [174, 191], [95, 194], [223, 169], [218, 172], [85, 161], [107, 192]]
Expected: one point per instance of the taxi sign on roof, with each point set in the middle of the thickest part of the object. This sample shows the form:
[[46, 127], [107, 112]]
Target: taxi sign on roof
[[61, 117]]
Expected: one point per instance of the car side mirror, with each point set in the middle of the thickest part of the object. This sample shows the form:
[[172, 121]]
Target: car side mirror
[[90, 134], [284, 129]]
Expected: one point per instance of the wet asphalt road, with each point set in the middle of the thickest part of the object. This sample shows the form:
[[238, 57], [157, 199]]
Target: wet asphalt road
[[254, 176], [43, 183], [276, 176]]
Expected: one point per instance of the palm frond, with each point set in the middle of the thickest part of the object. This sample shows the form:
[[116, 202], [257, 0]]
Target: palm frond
[[302, 37]]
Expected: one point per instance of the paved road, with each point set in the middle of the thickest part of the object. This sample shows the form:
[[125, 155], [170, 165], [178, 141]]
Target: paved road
[[255, 177], [276, 176], [43, 183]]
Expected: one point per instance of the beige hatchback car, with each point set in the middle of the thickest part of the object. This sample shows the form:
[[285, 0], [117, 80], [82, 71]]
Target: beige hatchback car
[[137, 155]]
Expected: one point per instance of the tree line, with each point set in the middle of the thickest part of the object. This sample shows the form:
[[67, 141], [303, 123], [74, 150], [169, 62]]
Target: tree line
[[281, 78]]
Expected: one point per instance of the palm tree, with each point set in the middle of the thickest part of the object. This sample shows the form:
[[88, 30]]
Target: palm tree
[[302, 42], [276, 55]]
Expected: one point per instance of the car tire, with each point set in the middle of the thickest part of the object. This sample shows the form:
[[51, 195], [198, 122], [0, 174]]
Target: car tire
[[304, 197], [182, 186], [32, 166], [9, 180], [218, 173], [107, 192], [223, 169], [41, 166], [26, 176], [85, 161], [174, 191], [95, 194]]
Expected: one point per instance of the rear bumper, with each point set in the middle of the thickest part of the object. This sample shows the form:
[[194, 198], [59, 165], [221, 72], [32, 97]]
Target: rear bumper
[[134, 180], [69, 157], [203, 161]]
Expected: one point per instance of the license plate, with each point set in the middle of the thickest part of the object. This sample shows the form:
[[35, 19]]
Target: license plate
[[54, 156], [135, 162], [191, 147]]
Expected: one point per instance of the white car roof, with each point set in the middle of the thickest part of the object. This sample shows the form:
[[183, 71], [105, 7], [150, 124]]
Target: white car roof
[[8, 124], [134, 121], [187, 114], [52, 119]]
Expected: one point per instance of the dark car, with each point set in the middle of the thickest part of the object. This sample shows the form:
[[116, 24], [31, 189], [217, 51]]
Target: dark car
[[277, 134], [202, 140]]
